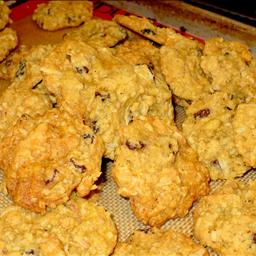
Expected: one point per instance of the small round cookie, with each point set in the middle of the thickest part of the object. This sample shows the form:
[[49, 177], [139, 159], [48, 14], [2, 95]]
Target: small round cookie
[[226, 219], [230, 67], [99, 33], [180, 63], [157, 170], [8, 41], [46, 157], [4, 15], [62, 14], [244, 124], [17, 101], [209, 130], [159, 242], [77, 228]]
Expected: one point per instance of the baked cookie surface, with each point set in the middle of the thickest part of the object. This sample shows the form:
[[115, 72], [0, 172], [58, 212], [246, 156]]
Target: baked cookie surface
[[158, 171], [4, 15], [77, 228], [226, 219], [46, 157], [8, 41], [159, 242], [62, 14], [208, 129]]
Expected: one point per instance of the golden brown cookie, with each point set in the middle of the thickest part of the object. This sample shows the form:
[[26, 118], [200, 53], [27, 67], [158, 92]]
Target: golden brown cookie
[[62, 14], [46, 157], [157, 170]]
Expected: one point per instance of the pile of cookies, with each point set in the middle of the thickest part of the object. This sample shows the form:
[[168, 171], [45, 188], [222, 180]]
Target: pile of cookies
[[109, 89]]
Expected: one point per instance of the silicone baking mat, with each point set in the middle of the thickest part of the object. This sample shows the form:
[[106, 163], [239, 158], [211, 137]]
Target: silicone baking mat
[[119, 207]]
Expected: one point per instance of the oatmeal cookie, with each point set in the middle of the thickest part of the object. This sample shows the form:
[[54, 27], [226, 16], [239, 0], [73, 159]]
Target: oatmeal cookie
[[8, 41], [244, 124], [230, 66], [62, 14], [93, 83], [159, 242], [226, 220], [208, 129], [157, 170], [180, 63], [46, 157], [4, 15], [77, 228], [99, 33], [145, 28]]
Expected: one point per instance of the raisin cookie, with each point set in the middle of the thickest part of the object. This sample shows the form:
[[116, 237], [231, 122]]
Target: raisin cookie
[[77, 228], [99, 33], [226, 219], [4, 15], [244, 124], [46, 157], [157, 170], [8, 41], [209, 130], [159, 242], [62, 14]]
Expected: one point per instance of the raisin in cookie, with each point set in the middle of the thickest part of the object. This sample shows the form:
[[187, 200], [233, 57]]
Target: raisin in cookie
[[244, 124], [226, 220], [8, 41], [159, 242], [4, 15], [77, 228], [46, 157], [208, 129], [99, 33], [62, 14], [158, 171]]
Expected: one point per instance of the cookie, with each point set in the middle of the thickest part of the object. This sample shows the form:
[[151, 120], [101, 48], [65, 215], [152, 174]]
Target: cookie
[[8, 41], [4, 15], [208, 129], [17, 101], [230, 67], [77, 228], [226, 219], [46, 157], [62, 14], [244, 131], [157, 170], [99, 33], [93, 84], [145, 28], [159, 242], [180, 63]]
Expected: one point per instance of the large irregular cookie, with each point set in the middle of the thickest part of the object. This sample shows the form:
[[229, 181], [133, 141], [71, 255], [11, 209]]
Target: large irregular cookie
[[159, 242], [230, 66], [99, 33], [145, 28], [4, 15], [180, 63], [61, 14], [77, 228], [226, 220], [244, 124], [18, 100], [8, 41], [46, 157], [157, 170], [93, 83], [208, 129]]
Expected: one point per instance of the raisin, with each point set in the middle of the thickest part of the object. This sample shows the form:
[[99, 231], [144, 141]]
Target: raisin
[[54, 105], [68, 57], [80, 168], [82, 70], [30, 252], [254, 238], [89, 136], [183, 29], [51, 179], [202, 113], [135, 146], [102, 96], [34, 87], [94, 127], [21, 69], [148, 31], [216, 163]]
